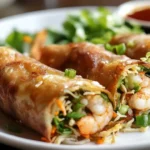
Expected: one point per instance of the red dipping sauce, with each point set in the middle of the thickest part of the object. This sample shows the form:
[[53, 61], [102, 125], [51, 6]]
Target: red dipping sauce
[[141, 14]]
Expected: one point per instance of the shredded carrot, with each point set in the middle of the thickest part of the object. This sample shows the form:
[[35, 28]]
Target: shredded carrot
[[53, 130], [27, 39], [114, 114], [61, 106], [56, 113], [44, 139], [100, 141]]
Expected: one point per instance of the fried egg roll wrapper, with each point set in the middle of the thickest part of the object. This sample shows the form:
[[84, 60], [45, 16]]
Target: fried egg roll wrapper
[[29, 90], [95, 63], [137, 44]]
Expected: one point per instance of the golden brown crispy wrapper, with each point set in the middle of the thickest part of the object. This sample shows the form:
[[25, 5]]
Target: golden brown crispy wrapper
[[38, 43], [29, 89], [90, 61], [137, 44]]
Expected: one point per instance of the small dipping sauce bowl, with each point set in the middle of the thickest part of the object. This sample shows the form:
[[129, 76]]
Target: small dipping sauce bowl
[[136, 12]]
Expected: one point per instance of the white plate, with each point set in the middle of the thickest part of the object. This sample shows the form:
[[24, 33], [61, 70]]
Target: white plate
[[28, 139]]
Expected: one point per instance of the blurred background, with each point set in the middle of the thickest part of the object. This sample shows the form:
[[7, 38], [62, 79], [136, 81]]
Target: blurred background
[[13, 7]]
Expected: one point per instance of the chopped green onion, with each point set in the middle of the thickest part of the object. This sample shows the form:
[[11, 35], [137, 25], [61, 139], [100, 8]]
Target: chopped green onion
[[142, 120], [75, 115], [109, 47], [61, 127], [120, 81], [120, 49], [105, 96], [71, 73], [66, 131], [56, 121], [137, 88], [146, 58], [123, 109], [131, 44], [77, 106]]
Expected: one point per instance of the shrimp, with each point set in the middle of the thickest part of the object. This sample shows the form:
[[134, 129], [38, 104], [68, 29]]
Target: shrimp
[[102, 113], [140, 100], [145, 80]]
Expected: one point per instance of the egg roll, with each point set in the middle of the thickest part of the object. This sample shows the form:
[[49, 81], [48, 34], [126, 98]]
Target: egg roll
[[127, 79], [137, 45], [49, 102]]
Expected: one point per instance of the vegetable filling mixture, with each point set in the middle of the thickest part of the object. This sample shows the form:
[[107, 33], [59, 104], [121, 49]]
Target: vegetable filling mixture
[[134, 86], [79, 115]]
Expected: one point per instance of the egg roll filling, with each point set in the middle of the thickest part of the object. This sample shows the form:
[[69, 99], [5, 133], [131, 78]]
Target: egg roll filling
[[133, 91], [80, 114]]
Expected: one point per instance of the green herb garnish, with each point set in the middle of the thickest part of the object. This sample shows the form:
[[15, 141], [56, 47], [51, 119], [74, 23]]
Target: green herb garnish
[[119, 49], [123, 109], [142, 120], [97, 27], [75, 115], [55, 37], [146, 58], [16, 40], [131, 44], [78, 106], [71, 73]]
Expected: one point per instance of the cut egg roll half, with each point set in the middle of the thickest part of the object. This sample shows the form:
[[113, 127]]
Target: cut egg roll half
[[127, 79], [137, 45], [60, 108]]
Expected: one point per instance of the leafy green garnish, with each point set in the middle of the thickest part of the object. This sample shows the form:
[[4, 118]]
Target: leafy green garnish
[[97, 27], [16, 40], [71, 73], [55, 37], [75, 115]]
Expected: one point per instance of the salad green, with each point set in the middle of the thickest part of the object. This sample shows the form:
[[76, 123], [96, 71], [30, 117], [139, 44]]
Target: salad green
[[97, 27]]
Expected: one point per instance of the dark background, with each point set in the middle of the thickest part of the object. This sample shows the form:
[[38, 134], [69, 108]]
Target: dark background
[[22, 6]]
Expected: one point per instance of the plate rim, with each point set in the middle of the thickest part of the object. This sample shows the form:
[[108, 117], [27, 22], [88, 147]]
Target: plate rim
[[12, 140], [53, 10]]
